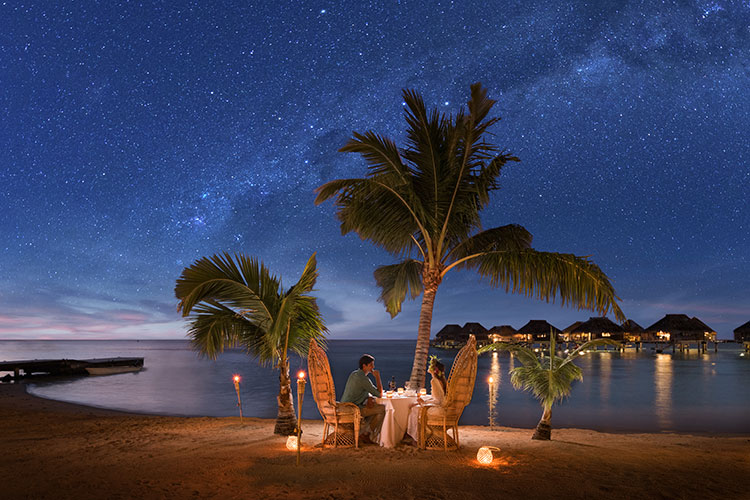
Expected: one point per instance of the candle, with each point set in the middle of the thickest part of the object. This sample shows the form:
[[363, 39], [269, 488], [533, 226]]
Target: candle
[[400, 390], [422, 391]]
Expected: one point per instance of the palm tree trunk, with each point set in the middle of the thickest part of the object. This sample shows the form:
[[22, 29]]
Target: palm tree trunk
[[418, 369], [543, 429], [286, 421]]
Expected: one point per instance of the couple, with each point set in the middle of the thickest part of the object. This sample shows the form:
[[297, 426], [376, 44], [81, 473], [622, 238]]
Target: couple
[[359, 388]]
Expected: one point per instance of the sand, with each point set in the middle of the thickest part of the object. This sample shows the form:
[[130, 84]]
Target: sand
[[51, 449]]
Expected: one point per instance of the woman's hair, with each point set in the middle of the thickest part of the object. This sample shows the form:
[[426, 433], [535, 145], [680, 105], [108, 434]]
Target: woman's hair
[[439, 369]]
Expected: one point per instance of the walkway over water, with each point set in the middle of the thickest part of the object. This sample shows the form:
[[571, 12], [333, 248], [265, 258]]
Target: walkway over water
[[65, 366]]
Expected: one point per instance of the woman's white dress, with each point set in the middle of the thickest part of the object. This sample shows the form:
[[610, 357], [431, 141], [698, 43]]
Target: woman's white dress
[[435, 398]]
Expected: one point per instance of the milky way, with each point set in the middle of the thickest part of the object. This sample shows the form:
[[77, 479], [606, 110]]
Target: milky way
[[138, 136]]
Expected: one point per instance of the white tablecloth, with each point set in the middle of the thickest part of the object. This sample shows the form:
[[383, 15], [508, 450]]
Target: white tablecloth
[[396, 418]]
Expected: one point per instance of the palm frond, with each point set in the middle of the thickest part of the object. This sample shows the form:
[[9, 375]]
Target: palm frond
[[381, 154], [547, 385], [219, 278], [391, 225], [292, 299], [546, 275], [396, 280], [524, 354], [591, 344], [214, 328], [511, 237]]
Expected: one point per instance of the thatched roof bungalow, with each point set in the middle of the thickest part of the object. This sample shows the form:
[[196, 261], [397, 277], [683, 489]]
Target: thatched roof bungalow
[[502, 333], [536, 330], [449, 335], [565, 335], [742, 333], [681, 328], [597, 328], [633, 332], [477, 330]]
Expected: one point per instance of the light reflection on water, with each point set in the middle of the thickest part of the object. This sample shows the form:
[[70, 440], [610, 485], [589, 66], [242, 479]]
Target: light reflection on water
[[663, 390], [494, 387], [640, 392]]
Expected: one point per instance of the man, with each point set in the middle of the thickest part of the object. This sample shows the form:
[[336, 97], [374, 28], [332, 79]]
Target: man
[[358, 390]]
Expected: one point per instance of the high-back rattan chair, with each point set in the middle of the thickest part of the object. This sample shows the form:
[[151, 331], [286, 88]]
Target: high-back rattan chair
[[435, 421], [345, 418]]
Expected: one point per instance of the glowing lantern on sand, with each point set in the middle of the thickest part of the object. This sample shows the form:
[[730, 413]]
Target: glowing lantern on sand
[[484, 455], [291, 443]]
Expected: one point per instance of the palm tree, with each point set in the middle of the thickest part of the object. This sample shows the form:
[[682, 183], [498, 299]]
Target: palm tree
[[238, 302], [422, 203], [549, 381]]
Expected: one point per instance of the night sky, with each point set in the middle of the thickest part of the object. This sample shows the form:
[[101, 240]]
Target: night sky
[[137, 137]]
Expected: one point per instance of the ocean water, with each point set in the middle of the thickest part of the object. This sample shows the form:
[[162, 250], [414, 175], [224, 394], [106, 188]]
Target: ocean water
[[630, 391]]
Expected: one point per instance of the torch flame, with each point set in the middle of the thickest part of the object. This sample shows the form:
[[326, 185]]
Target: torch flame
[[301, 375], [236, 378]]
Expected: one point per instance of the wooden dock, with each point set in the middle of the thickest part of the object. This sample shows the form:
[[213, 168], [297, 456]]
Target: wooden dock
[[65, 366]]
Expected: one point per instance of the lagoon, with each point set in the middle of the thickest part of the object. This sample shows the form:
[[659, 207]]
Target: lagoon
[[621, 391]]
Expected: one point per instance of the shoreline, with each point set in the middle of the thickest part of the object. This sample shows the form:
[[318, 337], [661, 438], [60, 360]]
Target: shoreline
[[55, 449], [529, 429]]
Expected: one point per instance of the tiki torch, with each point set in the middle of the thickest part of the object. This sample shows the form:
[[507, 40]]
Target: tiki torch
[[300, 397], [236, 379]]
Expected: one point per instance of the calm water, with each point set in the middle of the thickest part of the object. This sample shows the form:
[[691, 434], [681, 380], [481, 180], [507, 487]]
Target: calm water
[[620, 392]]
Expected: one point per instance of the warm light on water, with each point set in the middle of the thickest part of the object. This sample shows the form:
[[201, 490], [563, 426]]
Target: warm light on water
[[626, 391]]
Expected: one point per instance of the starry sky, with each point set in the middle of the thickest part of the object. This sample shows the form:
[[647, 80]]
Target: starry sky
[[137, 137]]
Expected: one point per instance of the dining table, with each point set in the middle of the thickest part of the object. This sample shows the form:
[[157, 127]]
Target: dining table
[[396, 419]]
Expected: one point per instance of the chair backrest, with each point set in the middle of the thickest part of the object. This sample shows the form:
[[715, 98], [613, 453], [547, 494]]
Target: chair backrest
[[462, 377], [321, 381]]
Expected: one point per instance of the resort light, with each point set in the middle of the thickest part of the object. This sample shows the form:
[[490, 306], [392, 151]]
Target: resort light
[[484, 455], [291, 443]]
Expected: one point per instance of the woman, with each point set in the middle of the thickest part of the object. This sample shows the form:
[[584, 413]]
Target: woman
[[437, 387]]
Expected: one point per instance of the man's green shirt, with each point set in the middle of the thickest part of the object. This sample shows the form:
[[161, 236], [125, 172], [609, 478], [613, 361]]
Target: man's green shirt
[[358, 387]]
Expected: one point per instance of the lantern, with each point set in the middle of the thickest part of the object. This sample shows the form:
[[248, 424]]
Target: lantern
[[291, 443], [484, 455]]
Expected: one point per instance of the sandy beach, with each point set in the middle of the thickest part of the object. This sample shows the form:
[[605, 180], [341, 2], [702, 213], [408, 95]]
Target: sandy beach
[[52, 449]]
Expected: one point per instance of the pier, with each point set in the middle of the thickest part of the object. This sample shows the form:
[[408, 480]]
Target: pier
[[67, 366]]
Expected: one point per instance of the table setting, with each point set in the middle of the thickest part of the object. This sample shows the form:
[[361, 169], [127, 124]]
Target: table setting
[[398, 404]]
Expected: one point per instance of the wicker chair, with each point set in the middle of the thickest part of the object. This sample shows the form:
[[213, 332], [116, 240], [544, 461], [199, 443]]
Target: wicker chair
[[345, 418], [435, 420]]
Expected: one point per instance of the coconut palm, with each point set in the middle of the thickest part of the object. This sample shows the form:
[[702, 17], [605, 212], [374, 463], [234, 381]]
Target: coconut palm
[[236, 301], [548, 378], [422, 203]]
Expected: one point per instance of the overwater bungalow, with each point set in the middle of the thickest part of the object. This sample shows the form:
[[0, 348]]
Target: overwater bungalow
[[536, 330], [597, 328], [449, 336], [476, 329], [633, 332], [502, 333], [742, 333], [565, 335], [681, 328]]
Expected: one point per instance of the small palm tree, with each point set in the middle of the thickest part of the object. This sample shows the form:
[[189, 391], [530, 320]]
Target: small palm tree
[[422, 204], [238, 302], [549, 380]]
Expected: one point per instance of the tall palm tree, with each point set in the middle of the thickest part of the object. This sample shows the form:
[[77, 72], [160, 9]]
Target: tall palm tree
[[549, 380], [238, 302], [422, 203]]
